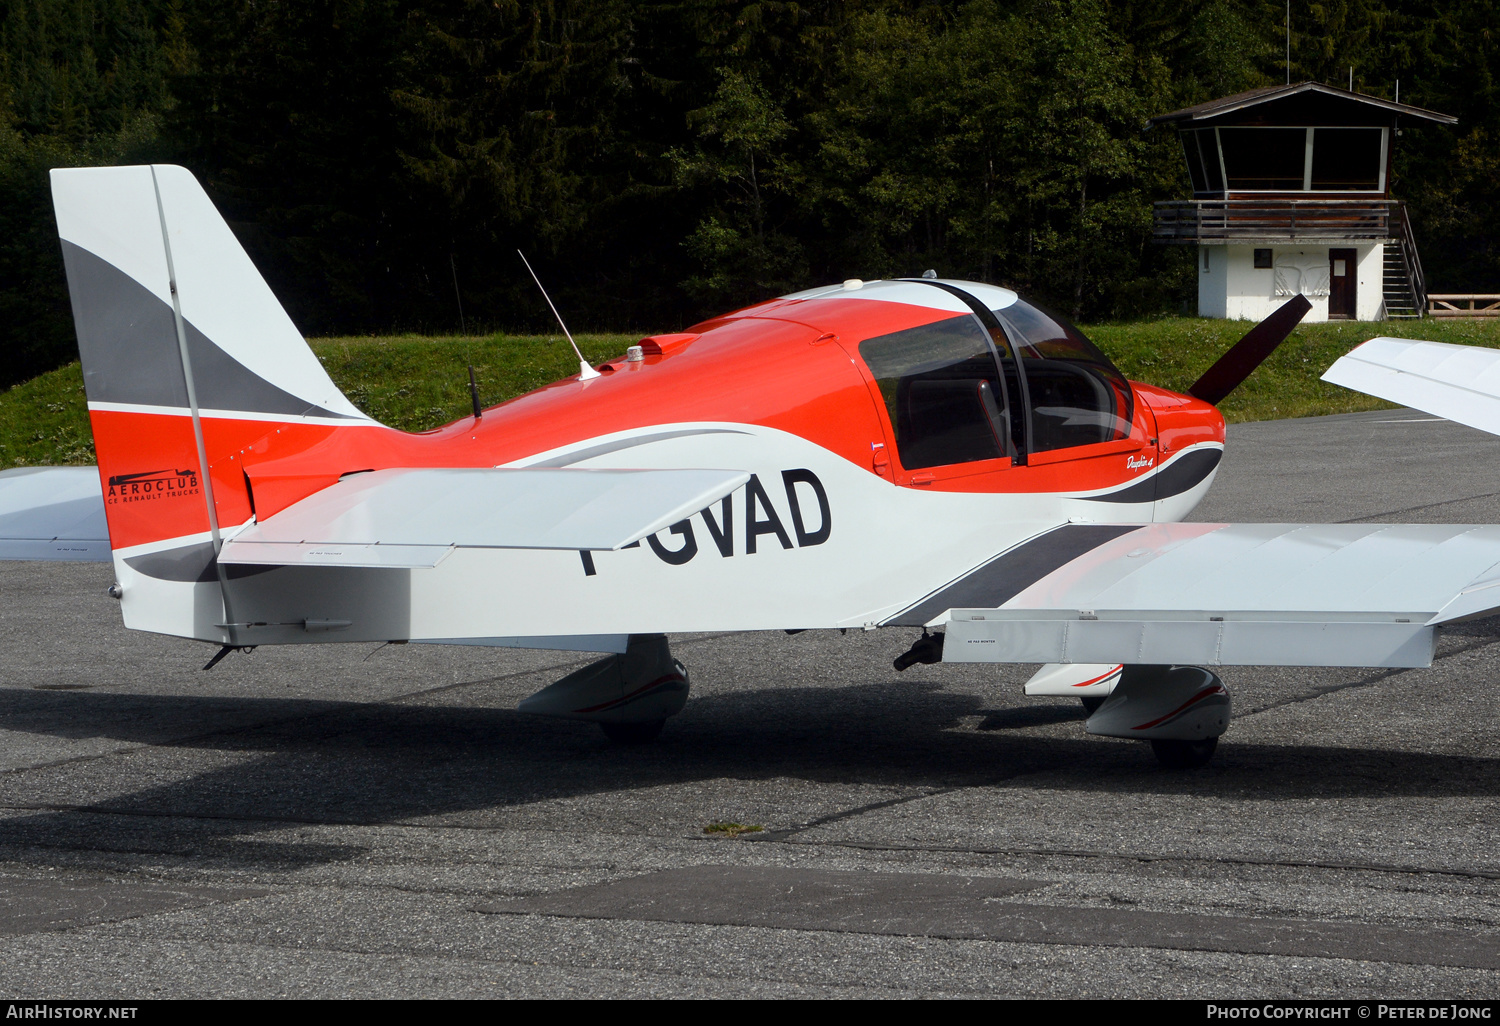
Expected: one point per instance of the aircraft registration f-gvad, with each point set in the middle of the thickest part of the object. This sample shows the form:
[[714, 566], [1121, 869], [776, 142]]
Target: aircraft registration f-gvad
[[917, 453]]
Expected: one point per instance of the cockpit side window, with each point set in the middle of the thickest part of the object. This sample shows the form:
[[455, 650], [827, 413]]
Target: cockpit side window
[[1077, 396], [943, 391]]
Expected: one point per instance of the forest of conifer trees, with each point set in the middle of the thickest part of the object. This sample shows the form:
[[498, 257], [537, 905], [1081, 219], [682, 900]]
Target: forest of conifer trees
[[661, 160]]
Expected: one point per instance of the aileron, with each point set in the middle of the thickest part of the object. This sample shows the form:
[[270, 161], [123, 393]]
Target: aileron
[[1248, 594]]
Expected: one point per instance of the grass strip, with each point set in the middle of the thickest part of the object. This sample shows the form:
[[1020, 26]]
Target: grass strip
[[419, 382]]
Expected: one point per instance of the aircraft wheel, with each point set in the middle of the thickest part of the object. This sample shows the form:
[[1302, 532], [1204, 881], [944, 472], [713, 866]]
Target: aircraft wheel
[[1184, 754], [633, 733], [1091, 705]]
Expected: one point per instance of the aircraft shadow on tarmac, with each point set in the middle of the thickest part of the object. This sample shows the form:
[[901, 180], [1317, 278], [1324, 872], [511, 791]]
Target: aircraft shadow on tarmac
[[1025, 716], [286, 761]]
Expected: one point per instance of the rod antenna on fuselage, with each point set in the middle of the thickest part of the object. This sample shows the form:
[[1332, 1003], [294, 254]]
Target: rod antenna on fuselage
[[584, 370]]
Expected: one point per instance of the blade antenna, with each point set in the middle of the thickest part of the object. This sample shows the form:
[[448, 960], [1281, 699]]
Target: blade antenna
[[584, 370]]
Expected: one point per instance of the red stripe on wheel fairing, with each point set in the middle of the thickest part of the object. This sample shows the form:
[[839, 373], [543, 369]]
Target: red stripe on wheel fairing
[[1102, 676], [669, 678], [1211, 690]]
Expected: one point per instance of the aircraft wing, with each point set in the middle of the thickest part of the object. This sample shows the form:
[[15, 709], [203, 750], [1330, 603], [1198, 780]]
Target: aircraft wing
[[52, 513], [1221, 594], [415, 517], [1458, 383]]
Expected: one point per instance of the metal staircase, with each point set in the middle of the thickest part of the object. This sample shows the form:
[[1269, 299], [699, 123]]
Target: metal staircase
[[1404, 287]]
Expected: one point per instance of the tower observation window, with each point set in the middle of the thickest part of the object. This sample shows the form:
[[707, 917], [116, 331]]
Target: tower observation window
[[1264, 159], [1346, 159], [1312, 159], [1202, 151], [1194, 161], [1208, 148]]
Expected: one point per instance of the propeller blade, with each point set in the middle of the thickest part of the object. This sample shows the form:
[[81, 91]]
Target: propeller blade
[[1249, 352]]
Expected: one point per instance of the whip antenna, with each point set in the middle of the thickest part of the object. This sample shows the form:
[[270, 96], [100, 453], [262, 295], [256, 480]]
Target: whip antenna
[[584, 370]]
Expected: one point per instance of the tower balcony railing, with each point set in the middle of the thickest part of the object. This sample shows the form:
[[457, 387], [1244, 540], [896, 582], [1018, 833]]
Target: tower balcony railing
[[1189, 222]]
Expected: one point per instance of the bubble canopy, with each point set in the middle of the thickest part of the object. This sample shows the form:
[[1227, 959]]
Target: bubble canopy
[[969, 388]]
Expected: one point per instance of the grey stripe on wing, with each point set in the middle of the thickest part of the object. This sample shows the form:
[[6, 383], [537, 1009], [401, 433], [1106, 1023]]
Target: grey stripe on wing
[[995, 582]]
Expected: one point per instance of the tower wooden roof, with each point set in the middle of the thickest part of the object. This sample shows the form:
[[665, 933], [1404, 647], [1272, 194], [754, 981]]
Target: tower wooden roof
[[1225, 105]]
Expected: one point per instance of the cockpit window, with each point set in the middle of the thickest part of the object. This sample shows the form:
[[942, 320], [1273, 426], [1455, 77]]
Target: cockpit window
[[1077, 396], [943, 392]]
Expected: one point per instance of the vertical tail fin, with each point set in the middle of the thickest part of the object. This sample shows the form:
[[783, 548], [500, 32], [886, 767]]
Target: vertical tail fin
[[121, 228], [186, 353]]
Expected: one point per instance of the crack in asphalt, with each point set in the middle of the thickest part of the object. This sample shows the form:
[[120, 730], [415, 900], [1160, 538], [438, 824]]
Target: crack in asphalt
[[836, 817], [786, 833], [1417, 509], [1079, 853], [1365, 682]]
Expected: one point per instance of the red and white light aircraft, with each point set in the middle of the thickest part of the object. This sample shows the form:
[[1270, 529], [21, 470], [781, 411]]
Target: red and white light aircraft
[[916, 453]]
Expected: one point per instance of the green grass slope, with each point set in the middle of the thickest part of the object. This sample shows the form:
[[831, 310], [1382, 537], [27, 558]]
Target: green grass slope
[[412, 382], [1174, 352], [416, 382]]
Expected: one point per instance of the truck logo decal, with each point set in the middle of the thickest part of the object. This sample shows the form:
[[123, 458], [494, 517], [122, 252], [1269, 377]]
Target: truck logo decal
[[153, 484]]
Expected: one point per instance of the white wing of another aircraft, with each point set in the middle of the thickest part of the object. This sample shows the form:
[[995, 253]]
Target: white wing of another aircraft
[[415, 517], [52, 513], [1457, 383]]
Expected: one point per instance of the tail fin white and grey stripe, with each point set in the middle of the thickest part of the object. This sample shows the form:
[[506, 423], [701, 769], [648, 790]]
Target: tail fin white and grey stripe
[[121, 228]]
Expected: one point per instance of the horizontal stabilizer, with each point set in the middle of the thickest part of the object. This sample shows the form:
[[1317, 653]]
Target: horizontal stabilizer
[[414, 517], [1458, 383], [52, 513], [1244, 594]]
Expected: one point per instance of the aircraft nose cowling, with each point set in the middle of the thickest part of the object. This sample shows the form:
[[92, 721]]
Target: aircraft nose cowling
[[1181, 420]]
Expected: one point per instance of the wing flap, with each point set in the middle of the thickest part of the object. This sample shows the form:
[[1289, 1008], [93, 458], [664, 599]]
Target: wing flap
[[53, 513], [403, 557], [1171, 637], [1458, 383], [413, 517], [1244, 594]]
